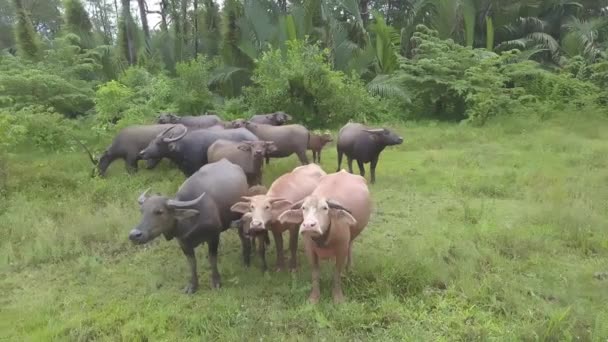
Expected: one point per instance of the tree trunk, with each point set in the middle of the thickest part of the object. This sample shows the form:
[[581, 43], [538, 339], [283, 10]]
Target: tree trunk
[[144, 23], [163, 16], [184, 17], [195, 31], [177, 28], [364, 10], [128, 22]]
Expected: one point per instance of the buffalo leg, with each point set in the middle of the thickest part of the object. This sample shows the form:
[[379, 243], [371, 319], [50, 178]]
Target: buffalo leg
[[193, 285], [341, 257], [372, 169], [131, 164], [361, 168], [262, 249], [245, 245], [350, 164], [314, 156], [293, 247], [313, 259], [340, 153], [319, 156], [214, 244], [278, 243], [267, 160], [303, 158], [349, 261]]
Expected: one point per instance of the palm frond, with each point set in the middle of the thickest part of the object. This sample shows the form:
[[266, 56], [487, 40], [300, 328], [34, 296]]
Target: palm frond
[[389, 87]]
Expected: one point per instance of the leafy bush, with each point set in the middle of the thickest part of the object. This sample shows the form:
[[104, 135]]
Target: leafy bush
[[112, 100], [25, 84], [302, 83], [46, 128], [191, 93], [450, 81]]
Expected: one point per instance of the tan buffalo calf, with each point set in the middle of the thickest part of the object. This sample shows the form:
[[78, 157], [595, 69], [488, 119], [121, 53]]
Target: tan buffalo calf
[[330, 219], [316, 142], [262, 211]]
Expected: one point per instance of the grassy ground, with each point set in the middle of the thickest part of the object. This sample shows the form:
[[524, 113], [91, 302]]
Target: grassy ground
[[477, 234]]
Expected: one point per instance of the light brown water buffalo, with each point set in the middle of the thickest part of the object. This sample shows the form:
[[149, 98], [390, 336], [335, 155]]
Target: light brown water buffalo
[[126, 145], [198, 213], [331, 218], [316, 142], [249, 155], [249, 237], [364, 145], [263, 210], [288, 139]]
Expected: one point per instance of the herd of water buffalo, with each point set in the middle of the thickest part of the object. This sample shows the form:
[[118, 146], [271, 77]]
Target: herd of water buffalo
[[223, 163]]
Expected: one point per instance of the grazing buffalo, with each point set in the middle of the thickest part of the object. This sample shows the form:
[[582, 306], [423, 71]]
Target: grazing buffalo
[[198, 213], [316, 143], [249, 155], [364, 145], [331, 218], [202, 121], [188, 148], [262, 211], [273, 119], [288, 139], [126, 145]]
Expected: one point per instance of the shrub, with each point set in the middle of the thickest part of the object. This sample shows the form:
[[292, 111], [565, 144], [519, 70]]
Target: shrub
[[26, 84], [450, 81], [46, 128], [302, 83], [191, 93], [112, 100]]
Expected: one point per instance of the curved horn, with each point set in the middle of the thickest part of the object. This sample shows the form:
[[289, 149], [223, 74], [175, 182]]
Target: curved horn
[[335, 205], [298, 204], [374, 130], [185, 204], [165, 131], [142, 198], [93, 160], [276, 199], [170, 140]]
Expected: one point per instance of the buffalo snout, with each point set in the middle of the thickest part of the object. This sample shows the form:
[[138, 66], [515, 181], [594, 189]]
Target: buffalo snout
[[256, 225], [310, 227], [136, 236]]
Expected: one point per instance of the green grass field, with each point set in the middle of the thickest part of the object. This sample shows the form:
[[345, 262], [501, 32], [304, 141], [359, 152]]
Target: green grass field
[[494, 233]]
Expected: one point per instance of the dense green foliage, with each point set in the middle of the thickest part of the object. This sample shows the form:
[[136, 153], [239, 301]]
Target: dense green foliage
[[491, 232]]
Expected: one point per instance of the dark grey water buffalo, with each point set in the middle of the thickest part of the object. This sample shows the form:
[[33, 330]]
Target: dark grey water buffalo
[[202, 121], [249, 155], [188, 148], [364, 145], [273, 119], [198, 213], [126, 145], [288, 139]]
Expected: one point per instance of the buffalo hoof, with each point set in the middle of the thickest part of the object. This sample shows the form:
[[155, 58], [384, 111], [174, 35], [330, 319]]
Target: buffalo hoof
[[215, 284], [190, 289], [338, 297]]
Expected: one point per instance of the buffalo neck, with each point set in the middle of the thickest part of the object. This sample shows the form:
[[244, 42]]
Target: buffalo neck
[[321, 241]]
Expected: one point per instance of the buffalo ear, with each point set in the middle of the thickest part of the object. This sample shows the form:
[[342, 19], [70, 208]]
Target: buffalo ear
[[240, 207], [271, 147], [182, 214], [244, 147], [344, 217], [280, 206], [291, 216]]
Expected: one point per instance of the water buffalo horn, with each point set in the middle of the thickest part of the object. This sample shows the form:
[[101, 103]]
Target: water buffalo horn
[[93, 160], [142, 198], [185, 204], [170, 140]]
